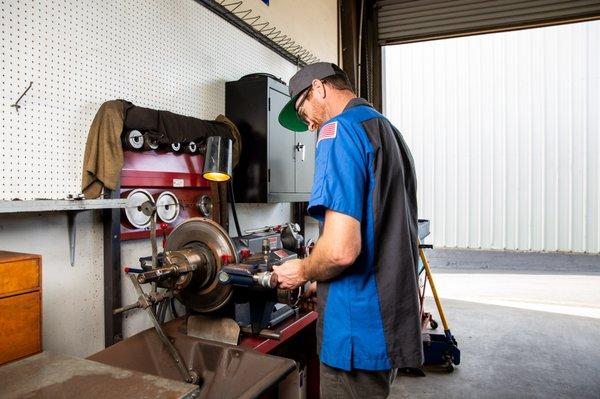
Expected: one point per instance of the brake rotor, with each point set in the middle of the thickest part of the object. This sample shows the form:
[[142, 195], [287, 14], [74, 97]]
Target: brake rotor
[[204, 293]]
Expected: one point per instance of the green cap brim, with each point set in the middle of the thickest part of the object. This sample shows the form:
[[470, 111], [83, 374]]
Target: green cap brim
[[288, 117]]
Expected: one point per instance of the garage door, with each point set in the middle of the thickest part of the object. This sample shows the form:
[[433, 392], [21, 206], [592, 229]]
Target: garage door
[[402, 21]]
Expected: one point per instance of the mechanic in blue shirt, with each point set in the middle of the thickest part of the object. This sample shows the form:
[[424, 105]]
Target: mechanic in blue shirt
[[365, 261]]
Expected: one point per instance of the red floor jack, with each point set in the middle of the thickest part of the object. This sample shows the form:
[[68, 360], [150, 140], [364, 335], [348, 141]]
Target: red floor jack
[[439, 349]]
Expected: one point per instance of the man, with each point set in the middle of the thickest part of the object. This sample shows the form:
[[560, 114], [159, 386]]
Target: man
[[365, 261]]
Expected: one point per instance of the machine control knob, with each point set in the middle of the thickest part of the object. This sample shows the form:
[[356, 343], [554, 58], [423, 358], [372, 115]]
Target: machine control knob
[[226, 259], [245, 253], [223, 277]]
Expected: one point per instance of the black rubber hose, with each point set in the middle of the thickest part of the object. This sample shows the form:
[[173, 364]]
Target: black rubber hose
[[173, 310], [235, 217], [162, 312], [159, 311]]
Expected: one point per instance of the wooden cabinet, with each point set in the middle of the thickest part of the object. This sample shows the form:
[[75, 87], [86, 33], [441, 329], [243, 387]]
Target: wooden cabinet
[[20, 305]]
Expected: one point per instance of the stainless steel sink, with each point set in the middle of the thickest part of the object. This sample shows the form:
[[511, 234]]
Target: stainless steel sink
[[225, 371]]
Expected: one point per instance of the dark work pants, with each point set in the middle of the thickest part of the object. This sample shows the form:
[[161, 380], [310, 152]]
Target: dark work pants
[[355, 384]]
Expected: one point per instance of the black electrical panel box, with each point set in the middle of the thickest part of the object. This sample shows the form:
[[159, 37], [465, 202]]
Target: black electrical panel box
[[276, 164]]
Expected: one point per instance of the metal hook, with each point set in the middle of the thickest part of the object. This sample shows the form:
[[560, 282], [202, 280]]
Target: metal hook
[[16, 104]]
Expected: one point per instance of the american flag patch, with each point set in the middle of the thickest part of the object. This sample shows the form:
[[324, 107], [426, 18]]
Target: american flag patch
[[327, 132]]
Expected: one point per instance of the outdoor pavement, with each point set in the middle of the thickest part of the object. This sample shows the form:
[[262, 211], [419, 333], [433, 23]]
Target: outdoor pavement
[[523, 332]]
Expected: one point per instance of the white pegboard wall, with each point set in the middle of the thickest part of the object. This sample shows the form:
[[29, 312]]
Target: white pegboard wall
[[174, 55]]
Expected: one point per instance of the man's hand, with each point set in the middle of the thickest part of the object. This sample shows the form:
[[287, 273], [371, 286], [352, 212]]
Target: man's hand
[[337, 248], [290, 275], [308, 301], [311, 291]]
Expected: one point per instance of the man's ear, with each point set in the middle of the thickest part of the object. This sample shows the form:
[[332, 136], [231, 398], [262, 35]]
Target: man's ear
[[319, 88]]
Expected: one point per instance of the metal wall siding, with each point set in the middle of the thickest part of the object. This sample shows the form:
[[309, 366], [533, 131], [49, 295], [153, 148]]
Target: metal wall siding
[[504, 129], [402, 21]]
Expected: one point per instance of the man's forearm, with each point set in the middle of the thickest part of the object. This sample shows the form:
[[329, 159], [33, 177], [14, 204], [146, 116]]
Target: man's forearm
[[320, 266], [337, 248]]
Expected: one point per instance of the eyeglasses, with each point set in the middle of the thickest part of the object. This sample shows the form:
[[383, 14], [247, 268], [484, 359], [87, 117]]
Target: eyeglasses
[[299, 109]]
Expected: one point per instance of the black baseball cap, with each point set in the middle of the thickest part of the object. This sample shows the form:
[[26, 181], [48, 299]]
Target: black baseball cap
[[302, 80]]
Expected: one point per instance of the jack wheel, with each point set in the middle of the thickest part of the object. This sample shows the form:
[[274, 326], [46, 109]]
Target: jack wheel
[[449, 364], [433, 324]]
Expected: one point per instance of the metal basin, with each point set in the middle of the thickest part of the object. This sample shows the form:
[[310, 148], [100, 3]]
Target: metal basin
[[225, 371]]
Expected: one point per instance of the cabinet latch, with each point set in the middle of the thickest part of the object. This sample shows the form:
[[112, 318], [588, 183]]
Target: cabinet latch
[[301, 148]]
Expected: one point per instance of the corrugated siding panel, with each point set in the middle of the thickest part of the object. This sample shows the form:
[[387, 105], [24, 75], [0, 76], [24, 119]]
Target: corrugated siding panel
[[504, 129], [402, 21]]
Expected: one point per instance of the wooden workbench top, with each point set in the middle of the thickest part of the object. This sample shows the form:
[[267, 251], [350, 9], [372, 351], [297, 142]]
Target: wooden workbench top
[[7, 256]]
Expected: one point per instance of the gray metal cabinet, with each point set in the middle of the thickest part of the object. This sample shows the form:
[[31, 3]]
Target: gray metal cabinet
[[276, 165], [281, 141], [305, 160]]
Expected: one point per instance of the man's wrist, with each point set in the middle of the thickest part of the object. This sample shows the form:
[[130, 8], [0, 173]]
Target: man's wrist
[[304, 269]]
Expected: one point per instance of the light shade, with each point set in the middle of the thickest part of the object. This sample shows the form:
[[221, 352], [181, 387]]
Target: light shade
[[217, 162]]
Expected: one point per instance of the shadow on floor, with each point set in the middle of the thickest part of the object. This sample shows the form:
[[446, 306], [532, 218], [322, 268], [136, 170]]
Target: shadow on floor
[[450, 260]]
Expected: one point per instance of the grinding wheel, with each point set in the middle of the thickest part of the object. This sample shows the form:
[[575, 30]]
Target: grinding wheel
[[204, 293]]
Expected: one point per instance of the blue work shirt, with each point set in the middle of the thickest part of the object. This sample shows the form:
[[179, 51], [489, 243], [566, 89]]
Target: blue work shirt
[[369, 314]]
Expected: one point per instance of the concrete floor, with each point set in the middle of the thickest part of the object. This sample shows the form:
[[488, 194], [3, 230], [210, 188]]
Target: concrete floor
[[522, 334], [513, 353], [573, 295]]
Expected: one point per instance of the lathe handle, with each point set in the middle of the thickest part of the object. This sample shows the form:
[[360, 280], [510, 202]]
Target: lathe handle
[[155, 274], [262, 279], [266, 279]]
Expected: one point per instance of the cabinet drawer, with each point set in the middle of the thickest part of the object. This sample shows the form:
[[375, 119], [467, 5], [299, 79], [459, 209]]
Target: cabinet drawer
[[18, 276], [20, 326]]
